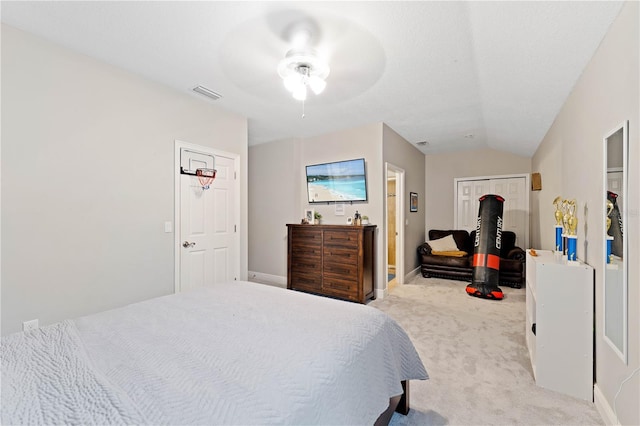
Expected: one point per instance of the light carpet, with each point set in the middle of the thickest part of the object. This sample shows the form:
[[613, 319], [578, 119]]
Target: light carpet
[[475, 352]]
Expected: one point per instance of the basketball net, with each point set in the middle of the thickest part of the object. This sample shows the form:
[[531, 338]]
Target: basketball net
[[205, 177]]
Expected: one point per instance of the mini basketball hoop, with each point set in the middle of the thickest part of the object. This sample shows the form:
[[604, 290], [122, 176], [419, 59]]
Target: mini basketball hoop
[[205, 177]]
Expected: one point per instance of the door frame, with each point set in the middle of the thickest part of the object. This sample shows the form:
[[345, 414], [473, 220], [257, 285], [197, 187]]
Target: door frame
[[178, 145], [527, 186], [399, 200]]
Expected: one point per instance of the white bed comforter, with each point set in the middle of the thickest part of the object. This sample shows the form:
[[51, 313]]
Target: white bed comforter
[[236, 353]]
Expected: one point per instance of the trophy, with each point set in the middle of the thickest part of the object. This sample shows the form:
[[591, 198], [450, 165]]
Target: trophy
[[558, 214], [572, 221], [564, 209], [565, 216], [609, 205], [558, 227], [571, 226], [609, 210]]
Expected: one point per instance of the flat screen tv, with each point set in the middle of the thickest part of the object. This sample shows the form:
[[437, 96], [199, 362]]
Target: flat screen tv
[[340, 181]]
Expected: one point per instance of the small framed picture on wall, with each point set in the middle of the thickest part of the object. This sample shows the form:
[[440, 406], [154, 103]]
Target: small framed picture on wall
[[413, 201]]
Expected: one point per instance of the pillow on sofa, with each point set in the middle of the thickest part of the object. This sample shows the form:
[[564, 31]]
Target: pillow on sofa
[[453, 253], [444, 244]]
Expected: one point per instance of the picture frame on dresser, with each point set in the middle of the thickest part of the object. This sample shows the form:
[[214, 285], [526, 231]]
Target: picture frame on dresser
[[309, 215]]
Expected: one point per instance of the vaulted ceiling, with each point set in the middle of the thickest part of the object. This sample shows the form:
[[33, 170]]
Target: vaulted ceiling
[[458, 75]]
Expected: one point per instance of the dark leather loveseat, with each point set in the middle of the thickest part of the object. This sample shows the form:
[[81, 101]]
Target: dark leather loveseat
[[512, 259]]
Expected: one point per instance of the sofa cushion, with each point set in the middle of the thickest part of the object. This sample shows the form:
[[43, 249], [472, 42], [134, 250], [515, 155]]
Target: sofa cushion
[[450, 261], [443, 244]]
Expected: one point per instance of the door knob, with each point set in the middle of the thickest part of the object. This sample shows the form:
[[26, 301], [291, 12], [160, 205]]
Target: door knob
[[187, 244]]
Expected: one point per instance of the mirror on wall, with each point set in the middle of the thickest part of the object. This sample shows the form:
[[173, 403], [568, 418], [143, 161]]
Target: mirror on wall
[[615, 241]]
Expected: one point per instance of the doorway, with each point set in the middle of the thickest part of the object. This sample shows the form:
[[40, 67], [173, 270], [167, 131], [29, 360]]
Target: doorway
[[207, 245], [394, 223]]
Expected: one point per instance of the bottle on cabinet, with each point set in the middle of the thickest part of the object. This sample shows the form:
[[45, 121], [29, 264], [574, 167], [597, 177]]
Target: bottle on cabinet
[[357, 219]]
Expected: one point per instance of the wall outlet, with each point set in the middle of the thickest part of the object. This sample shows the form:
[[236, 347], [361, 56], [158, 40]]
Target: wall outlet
[[30, 325]]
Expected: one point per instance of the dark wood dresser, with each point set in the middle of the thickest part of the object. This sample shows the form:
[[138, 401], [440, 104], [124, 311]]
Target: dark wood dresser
[[332, 260]]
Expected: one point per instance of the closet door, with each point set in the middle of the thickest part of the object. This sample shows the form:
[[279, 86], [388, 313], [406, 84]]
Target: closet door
[[514, 192], [515, 208], [469, 193]]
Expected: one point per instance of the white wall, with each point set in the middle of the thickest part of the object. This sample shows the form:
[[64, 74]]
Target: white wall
[[571, 163], [275, 175], [400, 153], [364, 141], [442, 169], [87, 180]]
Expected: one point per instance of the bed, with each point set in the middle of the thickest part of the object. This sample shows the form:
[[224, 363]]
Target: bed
[[234, 353]]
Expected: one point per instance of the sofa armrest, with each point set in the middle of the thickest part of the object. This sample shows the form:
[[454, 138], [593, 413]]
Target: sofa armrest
[[424, 249], [517, 253]]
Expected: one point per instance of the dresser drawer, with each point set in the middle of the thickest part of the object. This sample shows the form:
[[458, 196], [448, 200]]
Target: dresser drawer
[[346, 238], [302, 250], [307, 264], [341, 255], [307, 282], [336, 285], [341, 269], [306, 236]]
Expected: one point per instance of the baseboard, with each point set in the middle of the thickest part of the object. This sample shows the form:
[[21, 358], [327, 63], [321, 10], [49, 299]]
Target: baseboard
[[408, 277], [603, 407], [381, 293], [274, 280]]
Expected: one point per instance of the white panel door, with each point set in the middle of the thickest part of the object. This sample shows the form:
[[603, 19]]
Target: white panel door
[[469, 193], [209, 251], [225, 250], [515, 209], [465, 216], [515, 213]]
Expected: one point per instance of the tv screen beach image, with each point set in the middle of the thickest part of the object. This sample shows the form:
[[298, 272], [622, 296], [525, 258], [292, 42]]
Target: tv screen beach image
[[340, 181]]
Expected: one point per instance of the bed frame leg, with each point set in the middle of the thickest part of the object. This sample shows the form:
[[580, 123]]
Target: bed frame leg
[[399, 403], [403, 405]]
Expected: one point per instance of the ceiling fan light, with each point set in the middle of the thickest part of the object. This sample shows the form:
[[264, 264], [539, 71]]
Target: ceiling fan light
[[302, 69], [300, 93], [317, 84], [292, 82]]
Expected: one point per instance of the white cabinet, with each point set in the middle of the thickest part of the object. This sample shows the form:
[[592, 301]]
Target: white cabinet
[[559, 298]]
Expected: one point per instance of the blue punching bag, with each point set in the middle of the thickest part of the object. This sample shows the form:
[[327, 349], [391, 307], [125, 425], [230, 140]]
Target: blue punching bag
[[486, 249]]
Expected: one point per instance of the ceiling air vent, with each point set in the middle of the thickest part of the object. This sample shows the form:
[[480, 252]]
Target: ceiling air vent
[[207, 92], [423, 143]]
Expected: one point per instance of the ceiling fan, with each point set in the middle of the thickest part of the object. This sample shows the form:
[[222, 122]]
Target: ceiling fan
[[286, 53]]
